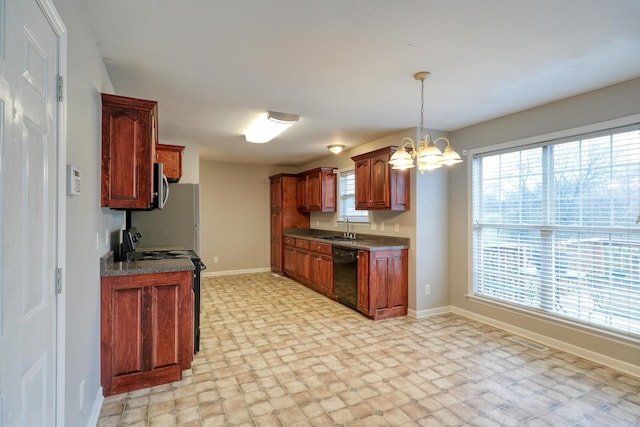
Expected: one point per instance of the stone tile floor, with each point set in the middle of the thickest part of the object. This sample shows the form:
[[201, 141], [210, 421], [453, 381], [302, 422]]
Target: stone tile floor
[[274, 353]]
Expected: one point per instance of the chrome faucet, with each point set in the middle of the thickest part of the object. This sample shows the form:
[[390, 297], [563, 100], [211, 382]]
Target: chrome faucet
[[349, 234]]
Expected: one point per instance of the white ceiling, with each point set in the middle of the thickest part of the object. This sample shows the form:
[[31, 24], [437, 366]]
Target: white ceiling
[[346, 66]]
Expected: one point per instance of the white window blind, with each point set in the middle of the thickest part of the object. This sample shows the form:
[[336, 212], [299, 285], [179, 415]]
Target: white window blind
[[556, 229], [347, 190]]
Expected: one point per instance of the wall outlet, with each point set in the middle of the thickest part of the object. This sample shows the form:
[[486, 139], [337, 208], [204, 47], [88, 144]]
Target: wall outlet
[[397, 227], [81, 394], [427, 289], [215, 259], [374, 226], [317, 222], [98, 240], [382, 226]]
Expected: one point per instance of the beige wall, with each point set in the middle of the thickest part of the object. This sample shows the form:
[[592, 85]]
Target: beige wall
[[234, 216], [610, 103]]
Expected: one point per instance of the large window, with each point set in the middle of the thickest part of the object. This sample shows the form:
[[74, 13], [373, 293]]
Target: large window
[[556, 228], [347, 190]]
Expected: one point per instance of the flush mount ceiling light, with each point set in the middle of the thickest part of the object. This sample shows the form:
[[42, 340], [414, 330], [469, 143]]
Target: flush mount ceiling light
[[268, 126], [336, 148], [426, 153]]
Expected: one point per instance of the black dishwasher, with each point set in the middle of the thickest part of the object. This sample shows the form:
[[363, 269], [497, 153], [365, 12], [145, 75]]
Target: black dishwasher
[[345, 276]]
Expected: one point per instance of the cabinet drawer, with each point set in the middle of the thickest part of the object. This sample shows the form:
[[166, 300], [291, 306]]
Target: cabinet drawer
[[323, 248], [302, 243], [289, 241]]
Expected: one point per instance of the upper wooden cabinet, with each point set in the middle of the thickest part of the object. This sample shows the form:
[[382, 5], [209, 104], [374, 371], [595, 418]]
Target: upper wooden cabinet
[[129, 138], [171, 158], [316, 190], [378, 187]]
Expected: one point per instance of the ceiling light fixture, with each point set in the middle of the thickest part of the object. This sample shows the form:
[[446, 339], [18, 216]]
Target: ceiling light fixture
[[269, 125], [336, 148], [426, 153]]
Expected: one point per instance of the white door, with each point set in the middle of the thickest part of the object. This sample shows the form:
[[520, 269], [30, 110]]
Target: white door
[[28, 196]]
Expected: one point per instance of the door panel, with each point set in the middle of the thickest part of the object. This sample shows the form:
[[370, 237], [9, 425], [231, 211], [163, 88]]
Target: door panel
[[28, 214]]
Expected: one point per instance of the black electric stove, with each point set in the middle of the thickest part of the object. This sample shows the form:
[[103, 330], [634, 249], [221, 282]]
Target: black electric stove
[[198, 268]]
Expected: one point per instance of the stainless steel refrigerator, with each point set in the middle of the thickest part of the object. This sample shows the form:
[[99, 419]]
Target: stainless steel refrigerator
[[177, 224]]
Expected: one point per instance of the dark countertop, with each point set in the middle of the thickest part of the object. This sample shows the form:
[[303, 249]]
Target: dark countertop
[[109, 267], [367, 242]]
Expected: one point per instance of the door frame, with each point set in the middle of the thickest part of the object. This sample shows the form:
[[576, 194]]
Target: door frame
[[54, 19]]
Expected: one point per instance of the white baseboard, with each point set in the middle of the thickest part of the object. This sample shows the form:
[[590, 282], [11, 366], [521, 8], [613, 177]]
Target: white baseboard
[[426, 313], [95, 409], [551, 342], [233, 272]]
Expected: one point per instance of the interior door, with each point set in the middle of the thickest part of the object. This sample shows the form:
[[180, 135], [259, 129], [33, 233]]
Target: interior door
[[28, 215]]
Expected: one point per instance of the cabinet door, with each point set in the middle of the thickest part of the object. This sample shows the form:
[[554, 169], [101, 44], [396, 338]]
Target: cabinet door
[[380, 182], [127, 173], [328, 191], [276, 223], [314, 191], [363, 282], [302, 194], [388, 285], [171, 158], [276, 255], [363, 183], [302, 264], [275, 190], [146, 330], [323, 273], [289, 261]]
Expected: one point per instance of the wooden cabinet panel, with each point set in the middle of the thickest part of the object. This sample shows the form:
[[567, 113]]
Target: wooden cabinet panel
[[322, 248], [378, 186], [171, 158], [310, 263], [128, 152], [276, 252], [386, 287], [165, 321], [380, 197], [284, 214], [289, 261], [316, 190], [363, 282], [301, 194], [363, 184], [302, 264], [146, 330], [127, 331], [321, 273]]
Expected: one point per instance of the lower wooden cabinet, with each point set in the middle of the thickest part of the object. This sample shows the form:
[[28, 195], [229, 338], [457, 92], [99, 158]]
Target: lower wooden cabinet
[[146, 330], [310, 263], [383, 283], [321, 268]]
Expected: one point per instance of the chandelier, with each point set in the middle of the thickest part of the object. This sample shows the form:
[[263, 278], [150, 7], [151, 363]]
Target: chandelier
[[426, 153]]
